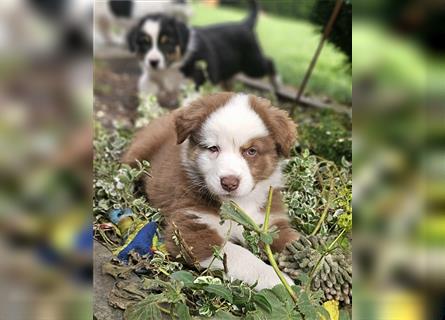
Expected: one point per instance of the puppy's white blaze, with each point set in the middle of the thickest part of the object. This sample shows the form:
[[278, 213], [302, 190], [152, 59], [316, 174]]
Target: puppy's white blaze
[[245, 266], [152, 28], [234, 124], [229, 128]]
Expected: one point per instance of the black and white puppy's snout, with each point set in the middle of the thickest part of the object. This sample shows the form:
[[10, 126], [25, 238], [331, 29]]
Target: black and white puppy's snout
[[154, 63], [230, 183]]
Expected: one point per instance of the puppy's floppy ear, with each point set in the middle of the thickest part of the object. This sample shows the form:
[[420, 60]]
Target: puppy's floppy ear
[[278, 122], [190, 118], [132, 37], [284, 130]]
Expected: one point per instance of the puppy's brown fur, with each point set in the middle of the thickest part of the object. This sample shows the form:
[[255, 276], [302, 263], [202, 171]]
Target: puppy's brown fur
[[170, 189]]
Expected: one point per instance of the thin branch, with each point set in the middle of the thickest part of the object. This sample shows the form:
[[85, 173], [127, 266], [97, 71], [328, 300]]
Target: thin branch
[[325, 35], [326, 208], [269, 250]]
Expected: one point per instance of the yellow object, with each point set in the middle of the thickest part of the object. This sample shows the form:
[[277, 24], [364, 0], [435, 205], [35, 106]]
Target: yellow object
[[124, 225], [401, 305], [158, 245], [331, 306], [64, 230]]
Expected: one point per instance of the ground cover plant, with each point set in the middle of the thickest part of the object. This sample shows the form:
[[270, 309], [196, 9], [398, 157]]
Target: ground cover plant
[[318, 194]]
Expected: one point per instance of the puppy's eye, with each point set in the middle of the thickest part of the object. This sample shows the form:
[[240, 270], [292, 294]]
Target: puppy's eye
[[164, 40], [251, 152], [146, 40], [213, 149]]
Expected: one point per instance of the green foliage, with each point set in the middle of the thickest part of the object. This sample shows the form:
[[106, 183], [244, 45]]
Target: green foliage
[[308, 305], [342, 30], [327, 135], [289, 9], [252, 232], [313, 186], [231, 211], [252, 239], [114, 183]]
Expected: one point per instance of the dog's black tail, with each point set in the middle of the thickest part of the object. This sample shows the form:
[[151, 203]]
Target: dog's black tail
[[253, 14]]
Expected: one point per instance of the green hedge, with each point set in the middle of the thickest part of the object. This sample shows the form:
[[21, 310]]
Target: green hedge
[[341, 35]]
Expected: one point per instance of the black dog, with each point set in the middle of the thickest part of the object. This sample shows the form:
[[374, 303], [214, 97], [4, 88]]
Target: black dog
[[162, 42]]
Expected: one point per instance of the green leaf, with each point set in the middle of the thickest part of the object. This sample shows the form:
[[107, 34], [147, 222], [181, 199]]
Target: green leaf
[[262, 302], [323, 312], [182, 311], [220, 291], [224, 315], [306, 308], [282, 294], [266, 238], [231, 211], [304, 279], [242, 296], [281, 309], [185, 276], [344, 315], [257, 315]]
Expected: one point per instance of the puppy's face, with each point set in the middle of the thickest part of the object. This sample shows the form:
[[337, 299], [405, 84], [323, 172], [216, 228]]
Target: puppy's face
[[235, 142], [159, 41]]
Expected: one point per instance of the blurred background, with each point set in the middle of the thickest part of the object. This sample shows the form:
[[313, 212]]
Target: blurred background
[[46, 76], [45, 159], [399, 159]]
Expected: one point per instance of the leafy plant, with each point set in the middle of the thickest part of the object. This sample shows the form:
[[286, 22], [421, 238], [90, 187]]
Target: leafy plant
[[317, 192], [327, 134], [309, 308], [314, 186]]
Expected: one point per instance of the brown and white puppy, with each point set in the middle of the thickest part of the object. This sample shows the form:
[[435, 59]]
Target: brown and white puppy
[[224, 146]]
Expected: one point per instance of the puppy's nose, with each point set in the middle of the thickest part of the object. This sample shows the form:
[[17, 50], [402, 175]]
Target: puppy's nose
[[154, 63], [230, 183]]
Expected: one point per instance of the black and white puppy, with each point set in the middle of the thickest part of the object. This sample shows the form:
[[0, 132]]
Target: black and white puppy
[[227, 49], [122, 15], [161, 43]]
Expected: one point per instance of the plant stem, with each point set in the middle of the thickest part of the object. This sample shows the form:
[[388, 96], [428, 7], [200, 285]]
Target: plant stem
[[247, 217], [226, 238], [336, 239], [311, 274], [269, 251], [326, 208], [163, 309]]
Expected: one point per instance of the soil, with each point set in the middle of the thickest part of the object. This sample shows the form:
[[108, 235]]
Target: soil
[[115, 90]]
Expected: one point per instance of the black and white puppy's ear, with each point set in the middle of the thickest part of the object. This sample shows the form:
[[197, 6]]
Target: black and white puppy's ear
[[183, 32], [132, 37]]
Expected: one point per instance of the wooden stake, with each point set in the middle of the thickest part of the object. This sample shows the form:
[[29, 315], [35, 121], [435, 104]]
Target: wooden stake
[[326, 33]]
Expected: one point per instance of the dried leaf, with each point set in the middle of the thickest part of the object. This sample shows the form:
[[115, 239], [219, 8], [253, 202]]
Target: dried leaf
[[117, 271], [147, 310]]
